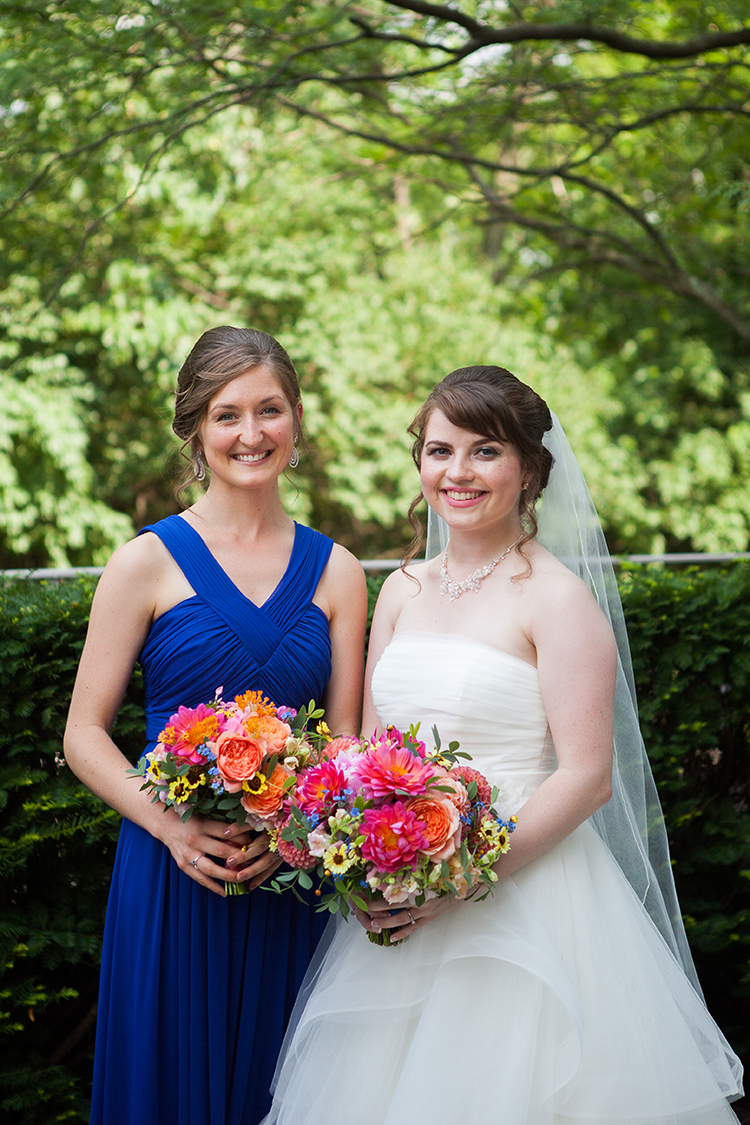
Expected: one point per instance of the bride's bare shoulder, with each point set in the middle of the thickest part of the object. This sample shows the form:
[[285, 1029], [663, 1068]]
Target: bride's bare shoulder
[[406, 583], [551, 581]]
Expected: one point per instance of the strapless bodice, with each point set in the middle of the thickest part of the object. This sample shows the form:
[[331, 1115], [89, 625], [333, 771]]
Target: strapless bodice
[[484, 698]]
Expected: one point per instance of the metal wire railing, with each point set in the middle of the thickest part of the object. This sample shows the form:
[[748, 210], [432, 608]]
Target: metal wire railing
[[375, 565]]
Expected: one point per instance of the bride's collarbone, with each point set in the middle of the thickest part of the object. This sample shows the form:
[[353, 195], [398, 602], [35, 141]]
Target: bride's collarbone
[[497, 621]]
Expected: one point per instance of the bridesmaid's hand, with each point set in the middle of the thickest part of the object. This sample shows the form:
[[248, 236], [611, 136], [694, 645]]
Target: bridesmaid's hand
[[198, 843], [266, 862], [404, 920]]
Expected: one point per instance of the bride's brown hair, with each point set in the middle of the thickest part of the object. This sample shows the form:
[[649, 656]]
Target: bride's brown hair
[[492, 402]]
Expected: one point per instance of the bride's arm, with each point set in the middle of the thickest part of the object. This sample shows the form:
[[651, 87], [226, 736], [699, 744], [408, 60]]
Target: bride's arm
[[577, 660], [121, 615]]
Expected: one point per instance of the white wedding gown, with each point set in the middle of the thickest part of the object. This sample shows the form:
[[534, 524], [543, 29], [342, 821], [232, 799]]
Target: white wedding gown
[[554, 1001]]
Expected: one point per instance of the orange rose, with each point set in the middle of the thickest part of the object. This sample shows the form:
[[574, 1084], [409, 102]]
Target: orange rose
[[238, 757], [269, 729], [270, 795], [440, 822]]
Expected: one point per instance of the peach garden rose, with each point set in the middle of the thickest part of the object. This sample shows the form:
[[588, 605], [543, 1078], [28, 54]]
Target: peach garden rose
[[238, 757]]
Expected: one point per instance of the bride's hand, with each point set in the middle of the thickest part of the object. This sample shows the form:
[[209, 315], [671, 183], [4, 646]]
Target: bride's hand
[[405, 920], [198, 844]]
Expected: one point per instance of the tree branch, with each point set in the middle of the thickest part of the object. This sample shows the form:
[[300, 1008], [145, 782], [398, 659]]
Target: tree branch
[[483, 35]]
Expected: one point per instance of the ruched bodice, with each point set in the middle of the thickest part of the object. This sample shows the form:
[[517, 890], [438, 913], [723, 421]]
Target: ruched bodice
[[554, 1001], [219, 638], [196, 989], [486, 699]]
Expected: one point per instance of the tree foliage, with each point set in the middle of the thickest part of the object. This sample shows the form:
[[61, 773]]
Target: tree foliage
[[589, 157]]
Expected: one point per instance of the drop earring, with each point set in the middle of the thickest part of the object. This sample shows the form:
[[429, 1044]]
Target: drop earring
[[199, 468], [294, 459]]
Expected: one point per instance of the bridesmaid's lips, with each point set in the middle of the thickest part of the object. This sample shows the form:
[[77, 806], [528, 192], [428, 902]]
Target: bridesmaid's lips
[[252, 458]]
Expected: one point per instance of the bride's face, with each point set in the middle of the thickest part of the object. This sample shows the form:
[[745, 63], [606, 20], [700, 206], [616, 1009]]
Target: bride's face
[[469, 479]]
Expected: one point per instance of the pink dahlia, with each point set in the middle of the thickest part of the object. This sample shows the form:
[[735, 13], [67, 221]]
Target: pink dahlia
[[343, 743], [389, 768], [466, 775], [319, 787], [188, 730], [295, 857], [393, 836]]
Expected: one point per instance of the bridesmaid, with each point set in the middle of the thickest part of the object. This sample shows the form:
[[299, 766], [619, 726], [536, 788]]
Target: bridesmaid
[[196, 988]]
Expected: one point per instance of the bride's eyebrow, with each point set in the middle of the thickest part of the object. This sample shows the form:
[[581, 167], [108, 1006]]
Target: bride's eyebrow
[[490, 441]]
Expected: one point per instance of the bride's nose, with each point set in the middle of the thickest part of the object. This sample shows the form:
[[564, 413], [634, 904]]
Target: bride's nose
[[460, 468]]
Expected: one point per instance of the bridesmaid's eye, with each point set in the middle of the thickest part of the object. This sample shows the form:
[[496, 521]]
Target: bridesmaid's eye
[[488, 451], [438, 451]]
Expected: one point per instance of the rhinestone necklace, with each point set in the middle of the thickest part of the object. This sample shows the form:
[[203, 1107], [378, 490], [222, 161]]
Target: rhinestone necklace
[[456, 589]]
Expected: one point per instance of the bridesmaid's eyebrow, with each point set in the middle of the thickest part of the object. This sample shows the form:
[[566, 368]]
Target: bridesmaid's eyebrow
[[270, 400]]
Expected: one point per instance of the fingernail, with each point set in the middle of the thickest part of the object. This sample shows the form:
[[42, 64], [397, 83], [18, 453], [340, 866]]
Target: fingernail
[[375, 927], [231, 861], [227, 831]]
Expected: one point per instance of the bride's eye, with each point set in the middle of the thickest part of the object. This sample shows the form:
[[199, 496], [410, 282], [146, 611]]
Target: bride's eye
[[438, 451]]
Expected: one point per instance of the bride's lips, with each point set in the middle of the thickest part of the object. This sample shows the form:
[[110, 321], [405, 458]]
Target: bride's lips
[[462, 497]]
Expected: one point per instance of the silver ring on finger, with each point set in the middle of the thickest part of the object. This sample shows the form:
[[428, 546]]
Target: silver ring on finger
[[195, 861], [411, 918]]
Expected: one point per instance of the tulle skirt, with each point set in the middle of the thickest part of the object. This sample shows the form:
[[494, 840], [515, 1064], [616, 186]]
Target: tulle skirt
[[554, 1001]]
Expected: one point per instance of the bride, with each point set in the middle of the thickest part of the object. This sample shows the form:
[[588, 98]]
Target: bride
[[568, 996]]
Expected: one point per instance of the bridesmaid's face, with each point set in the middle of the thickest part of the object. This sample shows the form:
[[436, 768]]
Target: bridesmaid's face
[[470, 479], [248, 432]]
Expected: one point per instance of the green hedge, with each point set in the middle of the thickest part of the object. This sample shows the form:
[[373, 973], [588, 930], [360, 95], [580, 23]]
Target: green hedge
[[690, 633]]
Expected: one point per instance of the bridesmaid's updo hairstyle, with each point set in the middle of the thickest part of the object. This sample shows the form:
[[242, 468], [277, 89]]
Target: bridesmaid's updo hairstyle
[[218, 357], [492, 402]]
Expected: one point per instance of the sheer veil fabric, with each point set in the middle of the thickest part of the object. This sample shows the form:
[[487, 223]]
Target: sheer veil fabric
[[631, 824]]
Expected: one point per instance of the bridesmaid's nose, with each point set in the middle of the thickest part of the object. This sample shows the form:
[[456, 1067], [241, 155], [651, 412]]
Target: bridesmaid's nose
[[250, 430]]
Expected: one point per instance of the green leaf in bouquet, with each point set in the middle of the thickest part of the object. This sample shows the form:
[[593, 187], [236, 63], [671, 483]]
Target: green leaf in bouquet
[[359, 901], [305, 880], [436, 736], [227, 803], [286, 877]]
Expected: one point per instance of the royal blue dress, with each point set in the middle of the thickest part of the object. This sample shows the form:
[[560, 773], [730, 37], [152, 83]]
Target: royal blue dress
[[196, 989]]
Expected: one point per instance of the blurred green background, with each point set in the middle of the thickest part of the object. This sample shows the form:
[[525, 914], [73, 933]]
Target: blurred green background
[[394, 190]]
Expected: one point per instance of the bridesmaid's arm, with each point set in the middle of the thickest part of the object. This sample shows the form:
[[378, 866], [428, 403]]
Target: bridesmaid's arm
[[342, 595], [122, 611]]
